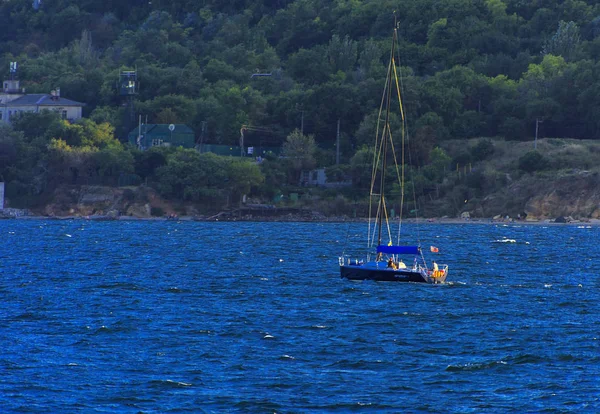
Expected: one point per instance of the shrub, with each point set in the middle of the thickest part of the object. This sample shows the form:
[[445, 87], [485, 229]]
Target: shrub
[[532, 161], [484, 149]]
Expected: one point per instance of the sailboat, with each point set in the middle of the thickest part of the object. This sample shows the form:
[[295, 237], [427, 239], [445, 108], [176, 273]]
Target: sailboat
[[385, 259]]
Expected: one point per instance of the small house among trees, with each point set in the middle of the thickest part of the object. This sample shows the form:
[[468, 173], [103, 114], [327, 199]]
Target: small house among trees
[[166, 135], [14, 101]]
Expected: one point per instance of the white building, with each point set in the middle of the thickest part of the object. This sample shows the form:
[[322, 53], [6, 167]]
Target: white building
[[14, 101]]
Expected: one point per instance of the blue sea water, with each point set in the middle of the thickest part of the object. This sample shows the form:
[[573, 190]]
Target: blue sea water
[[153, 317]]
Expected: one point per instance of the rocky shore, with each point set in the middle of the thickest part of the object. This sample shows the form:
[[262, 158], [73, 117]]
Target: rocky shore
[[143, 203]]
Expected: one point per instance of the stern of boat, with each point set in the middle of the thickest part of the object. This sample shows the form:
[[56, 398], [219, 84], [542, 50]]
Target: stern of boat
[[439, 276]]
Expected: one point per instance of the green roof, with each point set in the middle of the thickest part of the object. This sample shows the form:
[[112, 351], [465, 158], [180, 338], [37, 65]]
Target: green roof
[[160, 134]]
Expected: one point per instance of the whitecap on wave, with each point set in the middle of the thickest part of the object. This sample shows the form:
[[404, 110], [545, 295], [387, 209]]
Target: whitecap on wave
[[507, 240], [170, 383], [456, 283]]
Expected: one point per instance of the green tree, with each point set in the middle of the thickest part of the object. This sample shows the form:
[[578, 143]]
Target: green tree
[[342, 53], [299, 150], [191, 176], [35, 126], [310, 66], [100, 136], [438, 166], [69, 164], [9, 142], [147, 162], [112, 162], [361, 166], [513, 129], [429, 130], [565, 42], [169, 109], [243, 176]]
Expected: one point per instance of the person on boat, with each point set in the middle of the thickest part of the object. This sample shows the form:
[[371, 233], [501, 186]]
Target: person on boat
[[401, 265], [390, 263], [436, 270]]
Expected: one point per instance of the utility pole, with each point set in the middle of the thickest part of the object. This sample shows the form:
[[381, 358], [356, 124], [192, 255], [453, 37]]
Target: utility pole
[[202, 136], [537, 122], [337, 144], [138, 141], [242, 140]]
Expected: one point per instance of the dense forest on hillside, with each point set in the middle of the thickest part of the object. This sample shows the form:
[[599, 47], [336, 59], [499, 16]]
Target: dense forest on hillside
[[483, 68]]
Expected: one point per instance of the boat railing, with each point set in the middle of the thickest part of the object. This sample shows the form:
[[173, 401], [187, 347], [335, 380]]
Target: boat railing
[[347, 261]]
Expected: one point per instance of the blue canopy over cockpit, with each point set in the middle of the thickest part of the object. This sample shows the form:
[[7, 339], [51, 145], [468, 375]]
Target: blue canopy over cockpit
[[399, 249]]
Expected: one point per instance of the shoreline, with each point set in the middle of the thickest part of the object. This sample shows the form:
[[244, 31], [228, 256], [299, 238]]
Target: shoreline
[[304, 219]]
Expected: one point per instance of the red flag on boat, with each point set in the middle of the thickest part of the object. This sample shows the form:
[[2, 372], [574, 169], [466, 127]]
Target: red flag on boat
[[434, 249]]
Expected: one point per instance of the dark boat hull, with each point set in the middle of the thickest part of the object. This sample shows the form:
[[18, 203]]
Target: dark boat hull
[[358, 272]]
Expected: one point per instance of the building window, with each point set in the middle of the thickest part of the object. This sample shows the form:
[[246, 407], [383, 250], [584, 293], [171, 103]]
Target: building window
[[157, 142], [63, 114]]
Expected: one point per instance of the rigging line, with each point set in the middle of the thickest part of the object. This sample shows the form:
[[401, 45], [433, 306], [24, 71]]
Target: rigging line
[[377, 218], [403, 119], [375, 161], [388, 96], [412, 181], [395, 51], [401, 181], [397, 85], [387, 222], [414, 191], [413, 187], [377, 155], [388, 137], [371, 185], [411, 170], [381, 106]]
